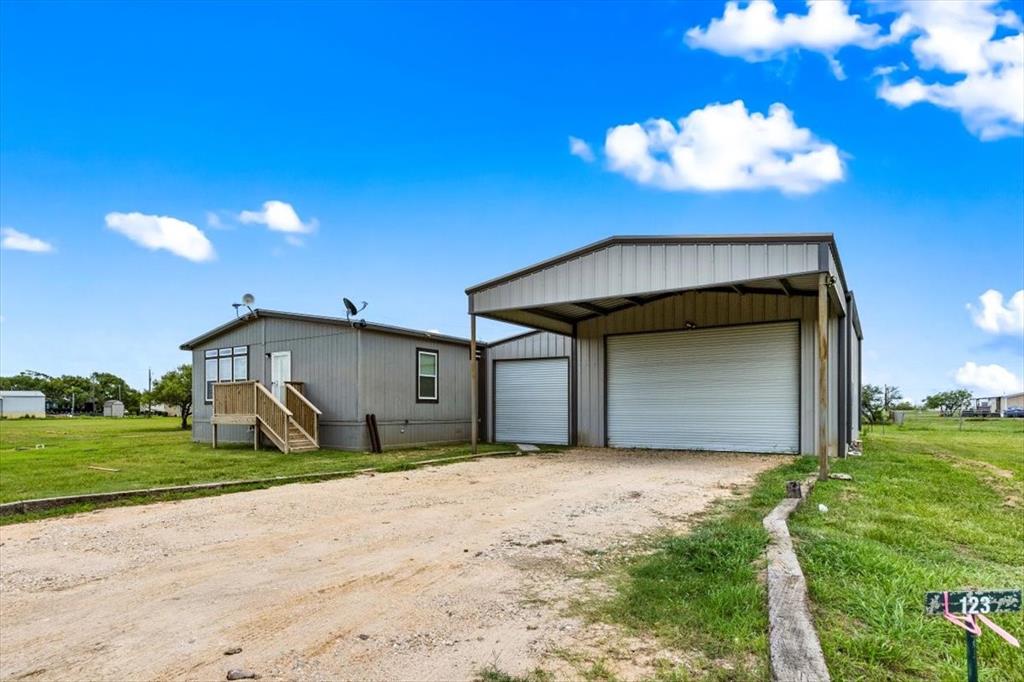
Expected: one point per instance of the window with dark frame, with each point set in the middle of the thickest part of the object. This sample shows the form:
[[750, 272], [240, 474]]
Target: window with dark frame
[[225, 364], [426, 375]]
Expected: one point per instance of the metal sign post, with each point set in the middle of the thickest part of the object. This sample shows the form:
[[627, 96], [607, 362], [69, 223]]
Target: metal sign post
[[969, 610]]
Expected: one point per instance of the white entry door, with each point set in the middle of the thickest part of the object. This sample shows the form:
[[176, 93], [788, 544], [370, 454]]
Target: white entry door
[[727, 389], [531, 401], [280, 372]]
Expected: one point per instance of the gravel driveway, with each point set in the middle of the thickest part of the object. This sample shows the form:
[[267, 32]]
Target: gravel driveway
[[426, 574]]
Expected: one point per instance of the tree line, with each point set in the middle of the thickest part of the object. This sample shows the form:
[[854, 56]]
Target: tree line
[[877, 403], [86, 394]]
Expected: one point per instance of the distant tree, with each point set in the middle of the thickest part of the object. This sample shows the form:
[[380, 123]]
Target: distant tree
[[175, 388], [872, 403], [107, 386], [24, 381], [904, 405], [890, 396], [952, 403]]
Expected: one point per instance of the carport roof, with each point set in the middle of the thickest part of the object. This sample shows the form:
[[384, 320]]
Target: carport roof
[[624, 271]]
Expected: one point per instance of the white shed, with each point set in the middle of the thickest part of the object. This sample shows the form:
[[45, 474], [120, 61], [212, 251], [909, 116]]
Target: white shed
[[14, 404], [113, 408]]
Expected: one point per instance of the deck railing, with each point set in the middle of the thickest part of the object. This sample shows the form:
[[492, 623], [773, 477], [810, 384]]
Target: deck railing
[[272, 414], [305, 414], [249, 402], [234, 399]]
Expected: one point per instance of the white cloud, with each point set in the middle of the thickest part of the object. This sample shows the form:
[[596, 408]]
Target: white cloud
[[213, 220], [433, 331], [995, 317], [958, 38], [13, 240], [580, 148], [756, 33], [163, 232], [888, 70], [723, 147], [278, 216], [990, 379]]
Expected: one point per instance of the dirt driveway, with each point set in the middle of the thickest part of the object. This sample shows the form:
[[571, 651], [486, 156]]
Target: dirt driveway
[[420, 575]]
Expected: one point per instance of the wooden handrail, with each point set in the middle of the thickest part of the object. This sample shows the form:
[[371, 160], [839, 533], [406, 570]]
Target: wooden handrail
[[303, 398], [274, 415], [306, 414]]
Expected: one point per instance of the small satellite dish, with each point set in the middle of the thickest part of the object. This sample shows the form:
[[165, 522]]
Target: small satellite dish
[[248, 299], [351, 310]]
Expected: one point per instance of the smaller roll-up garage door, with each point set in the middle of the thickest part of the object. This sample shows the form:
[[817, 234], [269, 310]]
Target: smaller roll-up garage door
[[531, 401]]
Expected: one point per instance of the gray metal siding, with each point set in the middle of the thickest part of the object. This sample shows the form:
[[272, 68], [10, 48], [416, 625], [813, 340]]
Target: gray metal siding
[[704, 310], [855, 376], [388, 389], [538, 345], [333, 361], [625, 269]]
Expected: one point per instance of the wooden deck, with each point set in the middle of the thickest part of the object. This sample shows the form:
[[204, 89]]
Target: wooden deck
[[293, 426]]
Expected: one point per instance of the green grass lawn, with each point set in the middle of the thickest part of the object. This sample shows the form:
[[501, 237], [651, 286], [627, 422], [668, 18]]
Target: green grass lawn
[[156, 452], [930, 508]]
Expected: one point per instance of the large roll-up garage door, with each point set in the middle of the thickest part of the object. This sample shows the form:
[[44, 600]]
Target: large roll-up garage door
[[531, 401], [729, 389]]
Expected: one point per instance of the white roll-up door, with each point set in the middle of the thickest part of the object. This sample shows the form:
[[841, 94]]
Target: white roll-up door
[[531, 401], [727, 389]]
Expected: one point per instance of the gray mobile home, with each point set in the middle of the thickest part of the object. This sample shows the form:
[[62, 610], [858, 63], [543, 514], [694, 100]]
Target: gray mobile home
[[731, 343], [329, 374]]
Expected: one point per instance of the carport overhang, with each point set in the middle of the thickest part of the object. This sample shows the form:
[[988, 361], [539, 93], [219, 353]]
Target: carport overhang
[[622, 272]]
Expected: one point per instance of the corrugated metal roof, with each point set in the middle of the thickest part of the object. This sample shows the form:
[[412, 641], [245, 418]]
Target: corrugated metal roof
[[22, 394], [794, 237]]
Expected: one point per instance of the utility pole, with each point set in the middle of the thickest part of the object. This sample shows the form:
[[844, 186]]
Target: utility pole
[[149, 394], [72, 402]]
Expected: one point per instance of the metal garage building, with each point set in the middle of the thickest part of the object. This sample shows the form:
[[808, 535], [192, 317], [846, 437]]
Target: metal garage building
[[17, 404], [732, 343]]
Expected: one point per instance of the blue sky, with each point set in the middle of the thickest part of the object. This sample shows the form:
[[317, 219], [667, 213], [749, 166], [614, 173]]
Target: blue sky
[[424, 148]]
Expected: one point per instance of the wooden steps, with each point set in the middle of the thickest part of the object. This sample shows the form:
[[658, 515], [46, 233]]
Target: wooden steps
[[292, 426], [298, 441]]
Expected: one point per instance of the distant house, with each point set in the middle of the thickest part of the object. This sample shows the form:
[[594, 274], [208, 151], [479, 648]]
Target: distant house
[[113, 408], [15, 404], [161, 409], [306, 381], [998, 404]]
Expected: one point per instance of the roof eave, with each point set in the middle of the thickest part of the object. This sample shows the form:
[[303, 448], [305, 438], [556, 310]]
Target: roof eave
[[661, 239]]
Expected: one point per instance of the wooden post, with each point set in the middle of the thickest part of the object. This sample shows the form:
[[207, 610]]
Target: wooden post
[[475, 387], [822, 376], [214, 435]]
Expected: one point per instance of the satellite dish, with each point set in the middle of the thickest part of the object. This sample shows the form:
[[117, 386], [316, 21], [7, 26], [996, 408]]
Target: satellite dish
[[351, 310], [248, 299]]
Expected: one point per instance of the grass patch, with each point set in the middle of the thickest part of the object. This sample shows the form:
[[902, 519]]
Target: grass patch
[[494, 674], [931, 507], [155, 452], [701, 592]]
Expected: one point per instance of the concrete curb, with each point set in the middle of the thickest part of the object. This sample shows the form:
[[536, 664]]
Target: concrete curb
[[26, 506], [793, 643]]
